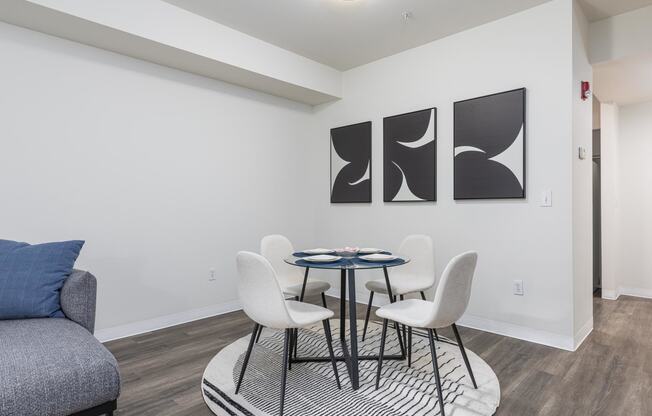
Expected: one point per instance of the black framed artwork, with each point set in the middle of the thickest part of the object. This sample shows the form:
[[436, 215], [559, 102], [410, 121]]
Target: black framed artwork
[[489, 146], [410, 156], [351, 163]]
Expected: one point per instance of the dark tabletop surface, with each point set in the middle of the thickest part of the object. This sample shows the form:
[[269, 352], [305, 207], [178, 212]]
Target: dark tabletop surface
[[354, 262]]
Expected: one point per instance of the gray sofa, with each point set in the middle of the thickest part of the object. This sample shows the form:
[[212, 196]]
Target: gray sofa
[[55, 366]]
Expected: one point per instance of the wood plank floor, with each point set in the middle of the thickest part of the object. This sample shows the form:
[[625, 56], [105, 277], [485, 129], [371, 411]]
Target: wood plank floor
[[611, 373]]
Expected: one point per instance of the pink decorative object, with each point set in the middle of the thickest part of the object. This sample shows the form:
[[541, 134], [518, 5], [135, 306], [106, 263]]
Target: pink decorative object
[[348, 251]]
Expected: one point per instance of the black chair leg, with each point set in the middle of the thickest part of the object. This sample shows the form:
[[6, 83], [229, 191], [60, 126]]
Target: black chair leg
[[423, 297], [409, 346], [329, 342], [400, 338], [291, 346], [404, 329], [435, 367], [466, 359], [296, 342], [366, 319], [260, 332], [382, 352], [295, 332], [398, 332], [284, 371], [323, 300], [247, 355]]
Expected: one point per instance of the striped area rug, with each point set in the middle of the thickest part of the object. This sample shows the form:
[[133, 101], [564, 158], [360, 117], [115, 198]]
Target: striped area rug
[[311, 388]]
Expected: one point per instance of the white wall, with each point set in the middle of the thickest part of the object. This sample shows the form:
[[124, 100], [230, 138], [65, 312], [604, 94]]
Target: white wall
[[582, 181], [627, 34], [634, 273], [163, 173], [610, 192], [516, 239], [596, 113]]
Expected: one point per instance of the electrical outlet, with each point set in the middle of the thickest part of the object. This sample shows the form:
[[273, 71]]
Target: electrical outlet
[[518, 287], [211, 275]]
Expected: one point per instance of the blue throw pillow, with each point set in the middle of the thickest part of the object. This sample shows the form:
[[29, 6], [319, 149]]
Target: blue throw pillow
[[31, 277]]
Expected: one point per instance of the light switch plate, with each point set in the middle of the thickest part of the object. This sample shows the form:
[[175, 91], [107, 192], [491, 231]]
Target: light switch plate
[[581, 152], [546, 198]]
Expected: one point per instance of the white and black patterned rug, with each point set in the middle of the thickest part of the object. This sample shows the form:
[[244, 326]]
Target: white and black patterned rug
[[311, 388]]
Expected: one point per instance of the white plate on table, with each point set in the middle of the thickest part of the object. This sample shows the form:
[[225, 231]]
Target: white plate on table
[[378, 257], [314, 251], [368, 250], [322, 258]]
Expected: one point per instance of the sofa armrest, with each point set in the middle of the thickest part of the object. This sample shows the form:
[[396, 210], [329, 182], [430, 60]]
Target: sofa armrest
[[78, 296]]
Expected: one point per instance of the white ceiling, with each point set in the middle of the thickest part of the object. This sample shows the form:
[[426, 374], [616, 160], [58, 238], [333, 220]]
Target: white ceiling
[[623, 82], [345, 34], [602, 9]]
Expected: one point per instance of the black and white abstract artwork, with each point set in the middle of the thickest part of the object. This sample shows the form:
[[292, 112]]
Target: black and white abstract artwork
[[351, 163], [490, 146], [410, 156]]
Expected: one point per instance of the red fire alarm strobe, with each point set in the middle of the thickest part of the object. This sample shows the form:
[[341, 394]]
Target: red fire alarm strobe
[[586, 90]]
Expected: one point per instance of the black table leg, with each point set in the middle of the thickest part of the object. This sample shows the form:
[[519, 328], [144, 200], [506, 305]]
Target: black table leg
[[353, 323], [389, 287], [350, 354], [342, 303], [294, 346], [305, 282]]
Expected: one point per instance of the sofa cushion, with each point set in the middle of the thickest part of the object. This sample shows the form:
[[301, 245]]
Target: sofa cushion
[[31, 277], [53, 367]]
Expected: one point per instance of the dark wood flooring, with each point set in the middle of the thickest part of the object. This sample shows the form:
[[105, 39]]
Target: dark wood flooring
[[610, 374]]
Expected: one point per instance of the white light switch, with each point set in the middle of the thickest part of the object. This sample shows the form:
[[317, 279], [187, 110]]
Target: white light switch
[[546, 198], [518, 288]]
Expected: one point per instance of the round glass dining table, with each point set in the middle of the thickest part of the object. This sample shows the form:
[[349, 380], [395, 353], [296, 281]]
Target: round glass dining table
[[348, 265]]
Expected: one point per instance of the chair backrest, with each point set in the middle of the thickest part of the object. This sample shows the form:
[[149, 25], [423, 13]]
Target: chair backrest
[[276, 248], [259, 291], [454, 290], [419, 249]]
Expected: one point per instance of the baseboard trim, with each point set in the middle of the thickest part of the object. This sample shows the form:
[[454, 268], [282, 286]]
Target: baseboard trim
[[626, 291], [482, 324], [166, 321], [537, 336], [609, 294], [636, 292], [583, 333], [495, 327]]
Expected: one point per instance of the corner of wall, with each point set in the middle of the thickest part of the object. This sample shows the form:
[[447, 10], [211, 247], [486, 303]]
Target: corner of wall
[[582, 177], [582, 334]]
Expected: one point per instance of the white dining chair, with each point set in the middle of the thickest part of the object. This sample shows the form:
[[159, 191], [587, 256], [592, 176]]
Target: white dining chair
[[264, 303], [276, 248], [451, 300], [417, 276]]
